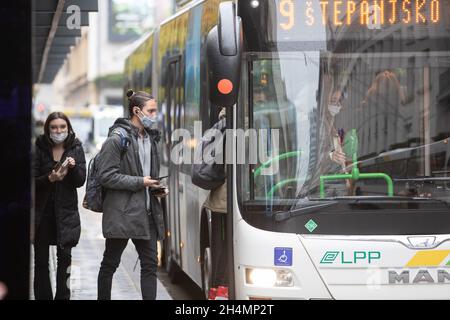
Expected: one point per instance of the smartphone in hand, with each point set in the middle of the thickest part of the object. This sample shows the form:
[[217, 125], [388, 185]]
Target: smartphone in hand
[[159, 191], [160, 188], [61, 165]]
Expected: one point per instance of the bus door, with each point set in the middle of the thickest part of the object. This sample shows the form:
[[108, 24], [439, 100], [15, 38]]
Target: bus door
[[174, 107]]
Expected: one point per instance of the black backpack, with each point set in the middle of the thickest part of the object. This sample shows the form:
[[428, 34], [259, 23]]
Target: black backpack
[[209, 176], [93, 198]]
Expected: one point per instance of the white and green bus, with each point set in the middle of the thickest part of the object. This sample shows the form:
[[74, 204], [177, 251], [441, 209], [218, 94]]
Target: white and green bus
[[352, 201]]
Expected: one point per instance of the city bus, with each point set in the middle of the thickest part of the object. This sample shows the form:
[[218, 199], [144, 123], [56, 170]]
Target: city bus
[[348, 106]]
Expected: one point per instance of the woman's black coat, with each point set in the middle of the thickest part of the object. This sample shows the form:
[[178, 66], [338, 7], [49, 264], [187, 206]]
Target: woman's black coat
[[66, 199]]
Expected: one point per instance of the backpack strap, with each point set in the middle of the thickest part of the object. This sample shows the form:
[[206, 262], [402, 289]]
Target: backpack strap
[[124, 138]]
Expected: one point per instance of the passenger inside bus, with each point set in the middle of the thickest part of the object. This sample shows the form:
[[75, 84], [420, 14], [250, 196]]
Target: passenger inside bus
[[333, 158], [380, 124]]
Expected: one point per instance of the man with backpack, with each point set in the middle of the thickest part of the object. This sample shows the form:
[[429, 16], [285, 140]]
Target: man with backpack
[[130, 190]]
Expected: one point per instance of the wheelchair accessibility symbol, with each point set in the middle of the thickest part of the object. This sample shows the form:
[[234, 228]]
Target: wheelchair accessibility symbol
[[283, 256]]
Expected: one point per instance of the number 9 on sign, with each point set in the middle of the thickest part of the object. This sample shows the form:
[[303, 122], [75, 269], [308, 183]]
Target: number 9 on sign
[[287, 10]]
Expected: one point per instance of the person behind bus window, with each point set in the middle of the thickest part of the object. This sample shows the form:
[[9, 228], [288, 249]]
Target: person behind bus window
[[384, 124], [331, 156], [59, 169], [380, 127], [334, 107], [336, 139], [131, 209], [380, 108]]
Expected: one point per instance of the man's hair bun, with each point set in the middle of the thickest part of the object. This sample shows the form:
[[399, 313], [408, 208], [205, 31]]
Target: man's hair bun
[[137, 99]]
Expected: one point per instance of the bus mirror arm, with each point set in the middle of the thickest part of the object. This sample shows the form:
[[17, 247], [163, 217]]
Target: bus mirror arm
[[224, 51]]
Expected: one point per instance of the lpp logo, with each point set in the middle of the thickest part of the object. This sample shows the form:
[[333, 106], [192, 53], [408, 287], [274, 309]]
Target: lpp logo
[[341, 257]]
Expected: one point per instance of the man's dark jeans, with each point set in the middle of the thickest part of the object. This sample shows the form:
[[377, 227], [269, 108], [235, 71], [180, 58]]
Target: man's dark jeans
[[147, 251]]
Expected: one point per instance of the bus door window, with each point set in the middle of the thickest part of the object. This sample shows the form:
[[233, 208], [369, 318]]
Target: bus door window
[[274, 117], [173, 106]]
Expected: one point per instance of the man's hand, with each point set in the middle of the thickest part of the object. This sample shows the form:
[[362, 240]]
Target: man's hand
[[149, 182]]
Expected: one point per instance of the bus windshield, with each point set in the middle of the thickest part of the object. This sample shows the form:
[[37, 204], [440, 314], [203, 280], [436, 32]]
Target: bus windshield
[[358, 112]]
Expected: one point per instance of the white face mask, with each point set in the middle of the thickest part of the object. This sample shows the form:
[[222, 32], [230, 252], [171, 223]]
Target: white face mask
[[58, 137], [334, 109]]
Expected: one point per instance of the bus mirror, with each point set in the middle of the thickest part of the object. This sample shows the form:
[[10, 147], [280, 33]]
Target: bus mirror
[[224, 50]]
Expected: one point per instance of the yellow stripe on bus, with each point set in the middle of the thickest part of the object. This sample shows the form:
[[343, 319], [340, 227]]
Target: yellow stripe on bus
[[428, 258]]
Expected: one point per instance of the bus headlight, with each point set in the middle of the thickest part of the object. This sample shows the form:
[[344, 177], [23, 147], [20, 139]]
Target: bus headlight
[[269, 277]]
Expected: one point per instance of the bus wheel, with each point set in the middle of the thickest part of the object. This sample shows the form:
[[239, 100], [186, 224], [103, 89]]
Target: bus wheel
[[207, 271]]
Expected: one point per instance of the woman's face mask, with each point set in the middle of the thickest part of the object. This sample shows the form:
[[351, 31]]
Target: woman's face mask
[[334, 108], [334, 104], [58, 130], [58, 137]]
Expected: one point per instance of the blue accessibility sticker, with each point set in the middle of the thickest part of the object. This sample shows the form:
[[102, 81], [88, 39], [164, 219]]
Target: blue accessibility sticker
[[282, 257]]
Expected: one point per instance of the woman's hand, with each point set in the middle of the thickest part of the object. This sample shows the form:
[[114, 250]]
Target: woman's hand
[[71, 162], [338, 157], [57, 175]]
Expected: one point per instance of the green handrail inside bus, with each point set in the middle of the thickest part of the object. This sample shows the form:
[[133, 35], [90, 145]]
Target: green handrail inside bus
[[351, 147], [282, 156], [279, 185]]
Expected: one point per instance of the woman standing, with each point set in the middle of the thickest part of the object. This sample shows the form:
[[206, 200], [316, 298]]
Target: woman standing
[[59, 169]]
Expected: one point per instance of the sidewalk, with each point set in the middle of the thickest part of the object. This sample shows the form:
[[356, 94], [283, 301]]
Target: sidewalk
[[86, 258]]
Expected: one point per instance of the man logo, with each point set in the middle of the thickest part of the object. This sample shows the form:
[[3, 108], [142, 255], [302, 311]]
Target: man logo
[[422, 276]]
